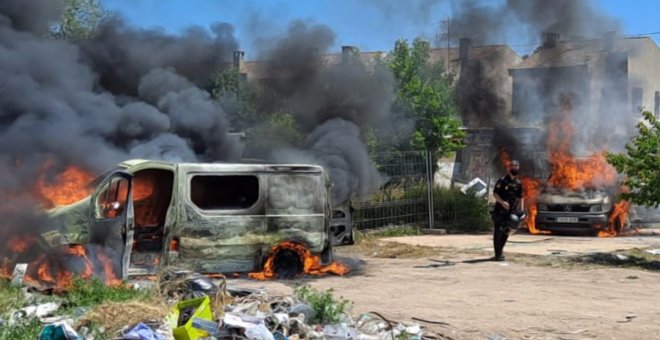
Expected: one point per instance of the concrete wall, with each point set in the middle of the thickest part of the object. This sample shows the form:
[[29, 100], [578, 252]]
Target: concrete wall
[[644, 70]]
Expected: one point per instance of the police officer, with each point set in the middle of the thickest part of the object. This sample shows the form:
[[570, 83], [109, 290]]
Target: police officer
[[508, 196]]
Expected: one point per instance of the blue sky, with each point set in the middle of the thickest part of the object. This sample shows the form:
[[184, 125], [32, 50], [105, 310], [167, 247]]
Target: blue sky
[[368, 24]]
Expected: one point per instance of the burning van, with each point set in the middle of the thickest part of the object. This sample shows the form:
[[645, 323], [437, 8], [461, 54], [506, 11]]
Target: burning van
[[581, 211], [211, 218]]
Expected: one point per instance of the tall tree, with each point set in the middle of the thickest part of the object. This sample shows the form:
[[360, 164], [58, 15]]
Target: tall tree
[[641, 163], [79, 19], [243, 104], [426, 94]]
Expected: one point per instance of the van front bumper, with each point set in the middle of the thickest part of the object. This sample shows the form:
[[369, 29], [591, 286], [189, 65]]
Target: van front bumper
[[571, 221]]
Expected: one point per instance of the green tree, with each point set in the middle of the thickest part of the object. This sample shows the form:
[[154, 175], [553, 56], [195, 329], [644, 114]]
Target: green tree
[[79, 19], [641, 163], [240, 102], [426, 94], [277, 129], [263, 128]]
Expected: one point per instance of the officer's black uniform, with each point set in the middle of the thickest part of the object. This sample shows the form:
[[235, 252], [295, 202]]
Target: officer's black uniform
[[510, 190]]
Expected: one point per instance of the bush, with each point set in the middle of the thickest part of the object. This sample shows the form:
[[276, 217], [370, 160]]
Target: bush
[[460, 213], [456, 211], [327, 310]]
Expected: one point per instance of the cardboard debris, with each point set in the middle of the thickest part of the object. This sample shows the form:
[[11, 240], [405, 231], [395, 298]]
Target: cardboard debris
[[19, 274]]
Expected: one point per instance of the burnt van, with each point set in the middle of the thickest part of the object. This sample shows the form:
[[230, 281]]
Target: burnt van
[[207, 217]]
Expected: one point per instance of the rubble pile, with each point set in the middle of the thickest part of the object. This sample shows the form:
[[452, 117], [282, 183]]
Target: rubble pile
[[192, 306]]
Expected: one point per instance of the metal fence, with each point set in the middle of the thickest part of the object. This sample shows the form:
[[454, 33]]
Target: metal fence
[[406, 197]]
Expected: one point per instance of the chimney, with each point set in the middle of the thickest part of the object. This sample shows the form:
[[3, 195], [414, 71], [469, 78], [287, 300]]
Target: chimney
[[608, 41], [239, 59], [464, 46], [550, 39], [347, 53]]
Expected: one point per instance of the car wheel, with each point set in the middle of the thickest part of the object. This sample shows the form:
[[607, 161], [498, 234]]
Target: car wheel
[[287, 264]]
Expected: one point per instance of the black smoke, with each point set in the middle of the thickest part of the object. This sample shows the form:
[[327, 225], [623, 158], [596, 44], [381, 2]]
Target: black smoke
[[524, 20], [121, 54], [124, 93], [333, 101], [485, 88]]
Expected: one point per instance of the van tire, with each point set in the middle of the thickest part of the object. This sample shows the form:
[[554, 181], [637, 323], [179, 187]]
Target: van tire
[[287, 264]]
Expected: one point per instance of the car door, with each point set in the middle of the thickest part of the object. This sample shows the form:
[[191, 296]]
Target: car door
[[222, 227], [112, 219]]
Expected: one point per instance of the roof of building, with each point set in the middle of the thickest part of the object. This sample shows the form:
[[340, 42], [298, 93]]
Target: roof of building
[[574, 53], [476, 52], [258, 68]]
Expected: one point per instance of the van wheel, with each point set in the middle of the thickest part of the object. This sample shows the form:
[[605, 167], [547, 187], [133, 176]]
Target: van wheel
[[287, 264]]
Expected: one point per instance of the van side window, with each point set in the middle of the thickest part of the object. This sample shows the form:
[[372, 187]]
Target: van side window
[[111, 201], [291, 192], [227, 192]]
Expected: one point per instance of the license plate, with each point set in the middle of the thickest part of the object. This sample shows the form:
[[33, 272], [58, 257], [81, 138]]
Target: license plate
[[567, 219]]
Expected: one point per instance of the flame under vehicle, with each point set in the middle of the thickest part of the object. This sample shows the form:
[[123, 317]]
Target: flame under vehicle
[[211, 218], [585, 211]]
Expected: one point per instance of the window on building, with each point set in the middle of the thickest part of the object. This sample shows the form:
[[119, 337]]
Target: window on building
[[636, 98], [227, 192], [656, 106]]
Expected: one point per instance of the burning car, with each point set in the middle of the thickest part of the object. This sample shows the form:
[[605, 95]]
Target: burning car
[[583, 211], [211, 218]]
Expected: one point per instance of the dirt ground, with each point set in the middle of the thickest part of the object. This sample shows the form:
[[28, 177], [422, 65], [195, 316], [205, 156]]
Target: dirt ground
[[529, 296]]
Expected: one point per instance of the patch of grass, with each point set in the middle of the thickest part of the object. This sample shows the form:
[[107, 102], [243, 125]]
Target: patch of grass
[[634, 258], [11, 298], [328, 310], [85, 293], [28, 330], [375, 247], [387, 232]]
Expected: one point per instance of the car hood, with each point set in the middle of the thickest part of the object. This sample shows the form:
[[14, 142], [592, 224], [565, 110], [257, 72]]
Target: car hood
[[563, 196], [70, 224]]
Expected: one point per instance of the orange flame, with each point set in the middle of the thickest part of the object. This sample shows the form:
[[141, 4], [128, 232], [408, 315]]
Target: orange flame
[[617, 220], [567, 171], [311, 263], [530, 194], [20, 245], [68, 187], [570, 173], [45, 272], [108, 271]]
